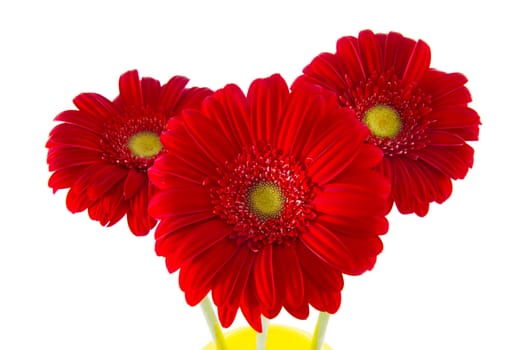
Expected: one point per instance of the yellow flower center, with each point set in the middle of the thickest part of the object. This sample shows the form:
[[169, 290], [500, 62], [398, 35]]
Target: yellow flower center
[[383, 121], [265, 200], [145, 144]]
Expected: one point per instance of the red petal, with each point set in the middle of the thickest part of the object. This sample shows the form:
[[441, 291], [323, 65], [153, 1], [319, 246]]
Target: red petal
[[357, 226], [325, 70], [180, 160], [392, 47], [208, 137], [250, 306], [171, 224], [179, 201], [134, 181], [93, 123], [185, 244], [67, 157], [64, 178], [362, 252], [300, 116], [235, 285], [300, 311], [108, 210], [267, 99], [462, 121], [196, 276], [404, 52], [171, 170], [415, 185], [328, 247], [360, 198], [452, 161], [263, 272], [77, 200], [139, 222], [458, 97], [444, 138], [229, 285], [370, 52], [228, 108], [94, 184], [368, 157], [289, 281], [130, 89], [334, 150], [103, 179], [350, 255], [417, 64], [347, 50], [95, 105], [73, 136], [191, 98], [239, 288], [150, 91], [319, 298], [441, 84], [227, 314], [171, 93], [321, 274]]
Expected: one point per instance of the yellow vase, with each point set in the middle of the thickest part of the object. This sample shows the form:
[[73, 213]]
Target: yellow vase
[[279, 338]]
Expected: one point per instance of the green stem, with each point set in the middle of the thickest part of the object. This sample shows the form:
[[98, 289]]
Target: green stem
[[320, 330], [260, 338], [213, 324]]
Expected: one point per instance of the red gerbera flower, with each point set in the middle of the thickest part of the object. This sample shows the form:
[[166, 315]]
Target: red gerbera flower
[[417, 115], [101, 151], [266, 199]]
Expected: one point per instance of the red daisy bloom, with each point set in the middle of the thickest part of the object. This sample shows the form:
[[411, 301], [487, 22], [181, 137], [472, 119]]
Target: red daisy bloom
[[265, 200], [417, 115], [102, 151]]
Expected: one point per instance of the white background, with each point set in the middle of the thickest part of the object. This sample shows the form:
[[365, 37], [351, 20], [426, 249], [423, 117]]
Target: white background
[[451, 280]]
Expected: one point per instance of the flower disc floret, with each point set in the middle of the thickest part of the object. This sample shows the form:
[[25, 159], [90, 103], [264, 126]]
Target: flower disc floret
[[265, 195]]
